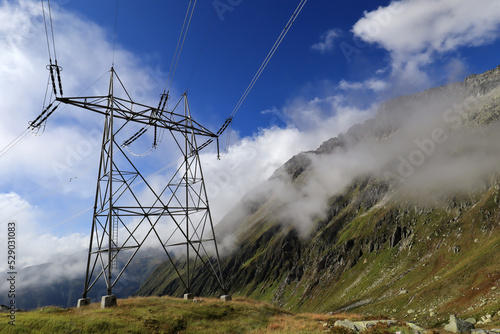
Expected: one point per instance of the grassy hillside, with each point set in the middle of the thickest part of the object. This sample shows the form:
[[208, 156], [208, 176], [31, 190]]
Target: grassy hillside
[[168, 315], [172, 315]]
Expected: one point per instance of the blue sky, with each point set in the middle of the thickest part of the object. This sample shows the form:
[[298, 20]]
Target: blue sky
[[232, 49], [339, 61]]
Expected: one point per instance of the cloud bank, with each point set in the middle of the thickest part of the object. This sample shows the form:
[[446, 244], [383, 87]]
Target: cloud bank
[[429, 148], [252, 160], [415, 32]]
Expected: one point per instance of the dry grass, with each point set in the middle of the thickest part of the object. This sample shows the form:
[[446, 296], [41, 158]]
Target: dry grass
[[168, 315], [171, 315], [300, 323]]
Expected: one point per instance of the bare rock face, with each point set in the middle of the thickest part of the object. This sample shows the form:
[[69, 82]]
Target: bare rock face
[[360, 326], [346, 324], [293, 167], [457, 325], [480, 84]]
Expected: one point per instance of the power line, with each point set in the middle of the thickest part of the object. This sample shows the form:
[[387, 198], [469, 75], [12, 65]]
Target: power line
[[14, 143], [170, 78], [180, 43], [54, 68], [257, 75], [24, 135], [52, 31], [269, 56], [46, 31], [173, 67]]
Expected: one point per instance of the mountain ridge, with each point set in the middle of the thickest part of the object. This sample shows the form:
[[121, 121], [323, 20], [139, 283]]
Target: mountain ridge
[[416, 246]]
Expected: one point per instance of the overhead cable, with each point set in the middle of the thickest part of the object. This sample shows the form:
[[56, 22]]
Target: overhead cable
[[270, 54], [180, 43], [53, 67]]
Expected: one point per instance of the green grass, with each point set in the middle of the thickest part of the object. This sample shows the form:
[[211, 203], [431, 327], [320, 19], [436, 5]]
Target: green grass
[[172, 315], [167, 315], [356, 228]]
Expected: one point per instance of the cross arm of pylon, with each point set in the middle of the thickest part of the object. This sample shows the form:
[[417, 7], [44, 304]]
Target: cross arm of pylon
[[139, 113]]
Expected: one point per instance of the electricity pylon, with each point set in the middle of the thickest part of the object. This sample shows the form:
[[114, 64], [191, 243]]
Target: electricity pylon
[[128, 208]]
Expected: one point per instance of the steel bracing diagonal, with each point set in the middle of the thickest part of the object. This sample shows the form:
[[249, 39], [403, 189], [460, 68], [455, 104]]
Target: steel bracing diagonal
[[128, 209]]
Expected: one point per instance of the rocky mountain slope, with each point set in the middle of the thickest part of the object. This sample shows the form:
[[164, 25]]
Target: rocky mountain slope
[[400, 215]]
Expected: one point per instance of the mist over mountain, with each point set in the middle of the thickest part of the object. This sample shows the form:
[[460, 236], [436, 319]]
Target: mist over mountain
[[60, 282], [399, 215], [427, 147]]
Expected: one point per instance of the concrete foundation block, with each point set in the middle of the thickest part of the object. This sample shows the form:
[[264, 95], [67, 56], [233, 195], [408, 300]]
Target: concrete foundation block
[[226, 298], [83, 302], [188, 296], [108, 301]]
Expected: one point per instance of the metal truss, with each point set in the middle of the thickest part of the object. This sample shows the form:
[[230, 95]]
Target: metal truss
[[129, 209]]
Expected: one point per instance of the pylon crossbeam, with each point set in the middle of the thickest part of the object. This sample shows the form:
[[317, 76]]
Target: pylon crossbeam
[[145, 115], [181, 205]]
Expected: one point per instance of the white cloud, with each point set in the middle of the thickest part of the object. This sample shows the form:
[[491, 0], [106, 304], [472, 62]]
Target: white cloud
[[327, 41], [441, 25], [375, 85], [324, 117], [33, 245], [429, 158], [251, 160], [416, 31], [351, 85]]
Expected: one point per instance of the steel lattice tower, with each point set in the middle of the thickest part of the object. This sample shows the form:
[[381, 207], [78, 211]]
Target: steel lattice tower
[[125, 217], [182, 204]]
